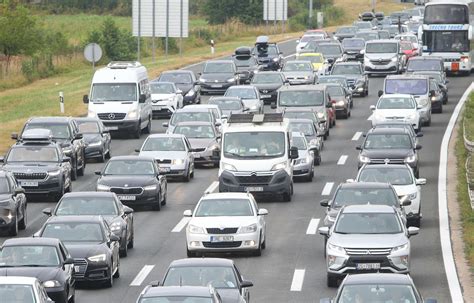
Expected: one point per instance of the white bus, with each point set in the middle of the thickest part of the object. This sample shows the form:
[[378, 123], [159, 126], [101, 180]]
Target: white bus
[[447, 32]]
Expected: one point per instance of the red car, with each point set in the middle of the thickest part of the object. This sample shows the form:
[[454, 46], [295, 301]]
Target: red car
[[408, 49]]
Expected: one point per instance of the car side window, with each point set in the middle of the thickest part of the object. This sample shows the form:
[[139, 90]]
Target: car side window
[[237, 272], [64, 252]]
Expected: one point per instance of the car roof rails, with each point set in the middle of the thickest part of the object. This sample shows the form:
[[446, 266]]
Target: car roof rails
[[255, 118]]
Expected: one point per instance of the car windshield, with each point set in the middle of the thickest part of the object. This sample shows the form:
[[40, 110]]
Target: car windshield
[[89, 127], [177, 78], [306, 128], [263, 50], [383, 293], [424, 65], [59, 131], [85, 206], [267, 78], [4, 186], [254, 144], [346, 69], [394, 176], [224, 207], [336, 91], [195, 131], [190, 117], [381, 48], [219, 67], [446, 41], [24, 293], [164, 144], [388, 141], [406, 46], [301, 115], [353, 43], [244, 61], [29, 255], [162, 88], [33, 154], [217, 276], [406, 86], [176, 299], [299, 142], [368, 223], [341, 81], [74, 232], [330, 50], [396, 103], [241, 92], [363, 25], [297, 67], [119, 92], [346, 30], [301, 98], [129, 167], [367, 36], [312, 59], [228, 104], [358, 196]]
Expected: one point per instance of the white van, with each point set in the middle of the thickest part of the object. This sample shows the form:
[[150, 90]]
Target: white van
[[120, 97]]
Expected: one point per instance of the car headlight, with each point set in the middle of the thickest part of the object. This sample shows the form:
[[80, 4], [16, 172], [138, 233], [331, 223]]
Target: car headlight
[[190, 93], [248, 229], [150, 187], [231, 79], [411, 116], [132, 114], [340, 103], [54, 173], [412, 196], [394, 59], [202, 80], [51, 283], [401, 247], [97, 258], [300, 161], [336, 248], [177, 161], [213, 147], [276, 59], [101, 187], [115, 226], [410, 159], [306, 77], [279, 166], [93, 144], [91, 113], [193, 229], [321, 115], [422, 102], [364, 159], [227, 166]]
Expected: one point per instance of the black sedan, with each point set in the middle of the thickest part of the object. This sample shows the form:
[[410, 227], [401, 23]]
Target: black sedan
[[91, 243], [136, 180], [218, 76], [105, 204], [96, 137], [268, 84], [12, 204], [185, 80], [46, 259]]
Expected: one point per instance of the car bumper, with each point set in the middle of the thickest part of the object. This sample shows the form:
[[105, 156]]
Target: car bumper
[[241, 242], [275, 183], [216, 87], [118, 125], [350, 265], [93, 273], [302, 170], [93, 151], [50, 186], [147, 197], [381, 69], [171, 170]]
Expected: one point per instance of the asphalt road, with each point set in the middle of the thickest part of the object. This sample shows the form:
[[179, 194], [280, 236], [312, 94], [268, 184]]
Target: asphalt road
[[292, 268]]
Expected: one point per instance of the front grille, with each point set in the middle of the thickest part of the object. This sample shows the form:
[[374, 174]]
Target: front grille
[[30, 176], [381, 62], [199, 149], [111, 116], [371, 251], [382, 161], [254, 179], [127, 190], [164, 161], [222, 244], [395, 118], [218, 231], [351, 82], [80, 268]]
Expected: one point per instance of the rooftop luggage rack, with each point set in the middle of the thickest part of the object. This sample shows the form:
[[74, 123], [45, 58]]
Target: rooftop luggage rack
[[36, 136], [123, 64], [255, 118]]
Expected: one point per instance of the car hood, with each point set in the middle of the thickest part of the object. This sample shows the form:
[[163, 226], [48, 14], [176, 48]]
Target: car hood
[[41, 273], [31, 167], [268, 86], [387, 153], [201, 142], [368, 240], [161, 155], [220, 77], [184, 87], [222, 221], [382, 56], [298, 74], [84, 250], [91, 138], [157, 97], [130, 181], [394, 113], [403, 190], [229, 295]]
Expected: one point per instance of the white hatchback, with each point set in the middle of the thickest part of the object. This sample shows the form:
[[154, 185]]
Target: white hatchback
[[396, 108]]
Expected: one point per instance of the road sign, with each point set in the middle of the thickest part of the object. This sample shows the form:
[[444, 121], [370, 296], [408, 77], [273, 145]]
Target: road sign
[[274, 10], [93, 53]]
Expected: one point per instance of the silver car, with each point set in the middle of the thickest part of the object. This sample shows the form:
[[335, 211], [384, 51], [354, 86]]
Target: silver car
[[299, 72], [249, 95], [303, 166], [367, 238]]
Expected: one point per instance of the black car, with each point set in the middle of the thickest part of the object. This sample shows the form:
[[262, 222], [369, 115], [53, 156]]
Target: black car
[[354, 72], [246, 64], [46, 259], [39, 165], [379, 15], [204, 294], [341, 99], [222, 274], [66, 133], [367, 16], [393, 144], [185, 80], [217, 76], [268, 54], [89, 240], [96, 137], [344, 32], [268, 84], [105, 204], [12, 204], [332, 52], [135, 179]]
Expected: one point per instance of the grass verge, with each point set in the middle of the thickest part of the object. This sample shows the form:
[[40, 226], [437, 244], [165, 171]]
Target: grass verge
[[353, 8]]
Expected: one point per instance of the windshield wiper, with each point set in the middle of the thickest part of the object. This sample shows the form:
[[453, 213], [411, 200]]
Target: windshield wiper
[[233, 154]]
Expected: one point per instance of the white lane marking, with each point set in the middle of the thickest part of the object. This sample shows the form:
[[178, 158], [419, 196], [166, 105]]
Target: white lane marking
[[312, 227], [356, 136], [327, 189], [141, 276], [342, 160], [212, 187], [298, 279], [181, 224], [444, 232]]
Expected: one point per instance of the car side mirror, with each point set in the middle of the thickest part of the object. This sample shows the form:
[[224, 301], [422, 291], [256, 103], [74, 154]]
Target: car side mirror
[[137, 150], [142, 98], [114, 238], [85, 99], [19, 190], [69, 261], [179, 92], [127, 210], [405, 201], [14, 136], [324, 231], [187, 213], [246, 284], [78, 136], [324, 203], [165, 124], [358, 147], [294, 152], [273, 106], [262, 212], [372, 107], [419, 134], [47, 211], [66, 159], [380, 93], [420, 181], [412, 231], [98, 173], [418, 147]]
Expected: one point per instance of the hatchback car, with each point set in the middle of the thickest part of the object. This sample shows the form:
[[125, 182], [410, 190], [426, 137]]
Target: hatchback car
[[192, 114], [298, 72], [96, 137], [303, 166], [218, 76], [185, 80], [306, 113], [354, 73], [396, 107], [320, 66], [166, 98], [13, 204], [250, 95]]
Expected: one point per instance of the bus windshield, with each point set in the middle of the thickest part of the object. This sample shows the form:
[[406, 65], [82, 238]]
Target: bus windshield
[[446, 14], [446, 41]]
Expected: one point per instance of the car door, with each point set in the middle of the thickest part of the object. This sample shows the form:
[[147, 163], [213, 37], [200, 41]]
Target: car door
[[127, 218], [68, 269], [113, 245], [145, 108]]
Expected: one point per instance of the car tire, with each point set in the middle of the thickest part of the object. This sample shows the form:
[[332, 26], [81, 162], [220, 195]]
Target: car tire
[[445, 101], [331, 280], [188, 175], [23, 221], [80, 172], [191, 175], [73, 297], [102, 157], [137, 132], [190, 254], [428, 123], [124, 252], [69, 188], [132, 238], [74, 170], [317, 161], [310, 177], [287, 195], [165, 199], [109, 154], [147, 129], [59, 195], [258, 252], [157, 205], [117, 272], [14, 228]]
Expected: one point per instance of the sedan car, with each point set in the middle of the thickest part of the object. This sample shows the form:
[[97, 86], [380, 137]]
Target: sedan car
[[46, 259], [367, 238], [320, 66], [118, 216], [267, 84], [298, 72], [249, 94], [226, 222], [185, 80], [12, 204], [26, 289], [354, 49], [247, 65], [229, 105], [136, 180], [190, 114], [166, 98], [344, 32], [341, 99], [403, 181], [172, 152], [307, 113], [354, 73], [89, 240], [303, 166], [96, 137], [396, 107], [200, 294], [218, 76], [222, 274], [313, 137]]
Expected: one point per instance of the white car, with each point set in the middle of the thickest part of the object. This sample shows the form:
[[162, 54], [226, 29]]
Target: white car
[[165, 98], [226, 222], [396, 107], [301, 43], [22, 289], [403, 181]]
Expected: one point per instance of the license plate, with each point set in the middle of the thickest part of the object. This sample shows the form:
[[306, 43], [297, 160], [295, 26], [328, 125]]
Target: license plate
[[29, 183], [127, 198], [222, 238], [455, 66], [197, 155], [216, 86], [266, 96], [254, 188], [165, 169], [368, 266], [77, 269], [112, 127], [156, 107]]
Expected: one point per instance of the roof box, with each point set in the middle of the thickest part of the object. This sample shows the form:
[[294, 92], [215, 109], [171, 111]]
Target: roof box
[[123, 64], [262, 40], [243, 51]]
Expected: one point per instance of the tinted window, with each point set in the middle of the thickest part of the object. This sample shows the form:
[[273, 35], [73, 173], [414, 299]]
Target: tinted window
[[105, 206], [381, 48], [33, 154], [28, 255], [368, 223], [394, 176], [406, 86], [224, 207], [129, 167], [354, 196], [74, 232], [301, 98], [388, 141], [219, 277], [164, 144]]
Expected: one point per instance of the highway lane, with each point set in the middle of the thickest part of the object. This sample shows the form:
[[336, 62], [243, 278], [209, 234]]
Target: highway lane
[[289, 247]]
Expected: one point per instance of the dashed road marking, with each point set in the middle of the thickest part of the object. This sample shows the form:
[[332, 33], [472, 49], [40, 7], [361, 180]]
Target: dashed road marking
[[298, 279], [356, 136], [181, 224], [327, 189], [141, 276], [312, 227], [212, 187], [342, 160]]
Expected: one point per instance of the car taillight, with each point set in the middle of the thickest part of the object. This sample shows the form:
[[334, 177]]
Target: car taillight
[[464, 59]]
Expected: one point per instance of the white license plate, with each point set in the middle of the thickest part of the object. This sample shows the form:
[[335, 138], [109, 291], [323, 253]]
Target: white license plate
[[197, 155], [127, 198], [368, 266], [165, 169], [29, 183], [112, 127], [266, 96], [222, 238], [254, 188], [77, 268], [216, 86]]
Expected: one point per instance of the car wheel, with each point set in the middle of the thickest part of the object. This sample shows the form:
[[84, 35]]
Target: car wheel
[[22, 223], [74, 170], [331, 280], [157, 205], [117, 272], [258, 252], [124, 251], [188, 175], [147, 129], [137, 132], [309, 178], [326, 135], [264, 243], [14, 228], [445, 101], [80, 172], [132, 238], [190, 254], [287, 195], [102, 157], [165, 198], [428, 123], [59, 195], [191, 175], [108, 155]]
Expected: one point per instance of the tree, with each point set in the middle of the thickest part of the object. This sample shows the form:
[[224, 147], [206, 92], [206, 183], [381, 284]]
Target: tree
[[247, 11]]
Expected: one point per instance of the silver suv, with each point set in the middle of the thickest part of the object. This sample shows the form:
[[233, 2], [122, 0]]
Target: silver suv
[[383, 57], [367, 238]]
